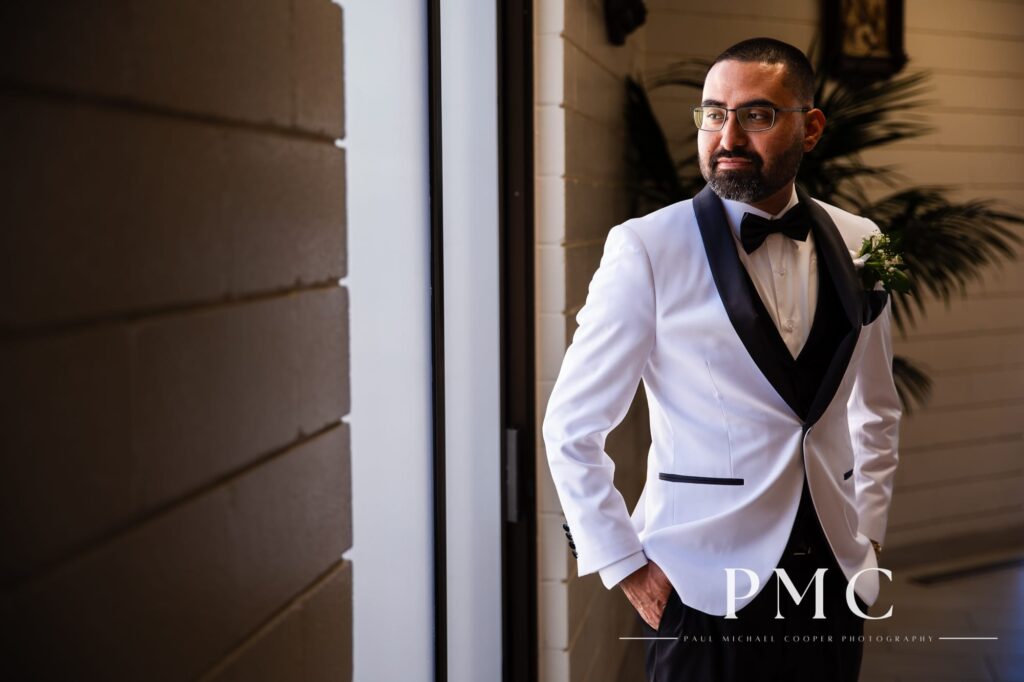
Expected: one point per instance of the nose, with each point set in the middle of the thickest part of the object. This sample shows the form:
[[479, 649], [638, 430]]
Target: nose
[[732, 135]]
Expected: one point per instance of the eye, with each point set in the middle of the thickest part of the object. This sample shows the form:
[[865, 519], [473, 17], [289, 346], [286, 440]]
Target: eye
[[714, 114], [759, 114]]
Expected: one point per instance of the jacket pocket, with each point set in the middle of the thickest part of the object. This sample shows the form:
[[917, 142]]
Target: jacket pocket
[[707, 480]]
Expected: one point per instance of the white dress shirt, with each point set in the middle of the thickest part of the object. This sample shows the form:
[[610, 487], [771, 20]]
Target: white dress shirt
[[785, 273]]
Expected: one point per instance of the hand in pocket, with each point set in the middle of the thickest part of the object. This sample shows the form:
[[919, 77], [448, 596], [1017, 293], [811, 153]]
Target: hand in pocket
[[648, 589]]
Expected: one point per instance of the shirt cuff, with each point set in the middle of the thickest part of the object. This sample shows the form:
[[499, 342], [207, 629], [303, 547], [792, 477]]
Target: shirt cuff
[[612, 574]]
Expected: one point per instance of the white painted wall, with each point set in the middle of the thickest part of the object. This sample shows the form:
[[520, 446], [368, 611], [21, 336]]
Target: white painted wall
[[389, 277], [471, 337], [389, 251]]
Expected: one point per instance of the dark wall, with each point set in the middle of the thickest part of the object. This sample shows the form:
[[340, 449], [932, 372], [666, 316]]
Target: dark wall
[[174, 471]]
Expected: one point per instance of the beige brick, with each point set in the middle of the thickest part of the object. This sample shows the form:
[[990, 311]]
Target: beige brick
[[552, 71], [926, 166], [935, 427], [553, 665], [550, 212], [1001, 18], [592, 209], [965, 90], [583, 593], [308, 642], [937, 466], [550, 151], [319, 92], [71, 45], [225, 58], [600, 94], [581, 263], [1008, 523], [275, 61], [574, 20], [65, 435], [284, 205], [549, 16], [554, 552], [673, 36], [972, 314], [594, 150], [215, 389], [112, 212], [958, 389], [554, 618], [168, 599], [957, 500], [960, 352], [788, 9], [550, 278], [103, 426], [584, 644]]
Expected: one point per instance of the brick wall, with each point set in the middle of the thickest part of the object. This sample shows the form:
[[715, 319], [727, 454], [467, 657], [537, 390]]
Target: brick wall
[[580, 195], [173, 342]]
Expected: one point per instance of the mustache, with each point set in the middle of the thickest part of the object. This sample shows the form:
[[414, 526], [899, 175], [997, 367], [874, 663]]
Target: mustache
[[738, 154]]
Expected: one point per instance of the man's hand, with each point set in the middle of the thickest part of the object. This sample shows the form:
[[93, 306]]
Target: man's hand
[[647, 589]]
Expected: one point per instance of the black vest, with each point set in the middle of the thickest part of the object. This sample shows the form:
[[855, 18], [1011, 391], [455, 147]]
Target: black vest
[[805, 373]]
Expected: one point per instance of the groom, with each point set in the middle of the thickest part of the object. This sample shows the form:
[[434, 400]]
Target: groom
[[774, 417]]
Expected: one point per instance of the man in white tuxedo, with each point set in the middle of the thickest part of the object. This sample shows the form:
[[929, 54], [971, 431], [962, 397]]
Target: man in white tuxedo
[[774, 418]]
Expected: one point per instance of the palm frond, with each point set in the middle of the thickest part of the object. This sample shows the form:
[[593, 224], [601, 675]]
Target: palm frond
[[653, 177], [945, 245], [913, 385], [688, 73]]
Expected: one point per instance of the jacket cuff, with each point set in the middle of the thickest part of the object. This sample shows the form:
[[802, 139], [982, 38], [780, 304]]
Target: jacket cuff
[[612, 574]]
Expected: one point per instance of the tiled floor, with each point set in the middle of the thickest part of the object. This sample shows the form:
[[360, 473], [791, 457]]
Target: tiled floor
[[983, 604]]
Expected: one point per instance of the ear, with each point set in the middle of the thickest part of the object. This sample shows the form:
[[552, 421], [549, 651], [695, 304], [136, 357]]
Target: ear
[[814, 126]]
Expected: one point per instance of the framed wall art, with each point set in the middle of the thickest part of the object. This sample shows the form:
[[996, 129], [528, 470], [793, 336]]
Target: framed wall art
[[863, 38]]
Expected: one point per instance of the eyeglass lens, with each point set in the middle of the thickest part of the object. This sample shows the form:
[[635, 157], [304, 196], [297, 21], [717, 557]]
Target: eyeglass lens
[[750, 118]]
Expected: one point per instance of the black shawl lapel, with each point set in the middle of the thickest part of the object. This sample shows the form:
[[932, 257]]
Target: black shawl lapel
[[840, 265], [844, 277], [731, 281]]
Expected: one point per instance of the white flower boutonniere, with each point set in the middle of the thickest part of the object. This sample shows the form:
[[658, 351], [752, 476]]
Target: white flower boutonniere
[[878, 261]]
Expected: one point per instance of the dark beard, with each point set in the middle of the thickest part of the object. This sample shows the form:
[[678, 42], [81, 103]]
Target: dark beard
[[753, 184]]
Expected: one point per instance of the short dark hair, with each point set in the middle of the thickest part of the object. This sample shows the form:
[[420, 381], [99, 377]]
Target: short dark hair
[[799, 73]]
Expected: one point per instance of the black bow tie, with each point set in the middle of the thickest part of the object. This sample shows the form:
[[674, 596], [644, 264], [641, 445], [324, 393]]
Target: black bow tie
[[795, 224]]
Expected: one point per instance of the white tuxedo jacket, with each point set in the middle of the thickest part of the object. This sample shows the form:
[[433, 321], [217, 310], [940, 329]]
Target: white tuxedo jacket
[[669, 305]]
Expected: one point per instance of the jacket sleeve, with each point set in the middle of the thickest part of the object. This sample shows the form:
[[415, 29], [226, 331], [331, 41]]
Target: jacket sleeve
[[596, 384], [874, 415]]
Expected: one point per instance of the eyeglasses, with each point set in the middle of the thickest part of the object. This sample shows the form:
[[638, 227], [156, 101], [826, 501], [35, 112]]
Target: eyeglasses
[[752, 119]]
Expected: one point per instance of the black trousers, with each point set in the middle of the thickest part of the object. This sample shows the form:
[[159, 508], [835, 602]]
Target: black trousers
[[693, 646]]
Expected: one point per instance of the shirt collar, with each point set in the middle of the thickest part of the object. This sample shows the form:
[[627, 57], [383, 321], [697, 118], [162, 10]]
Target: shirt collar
[[734, 211]]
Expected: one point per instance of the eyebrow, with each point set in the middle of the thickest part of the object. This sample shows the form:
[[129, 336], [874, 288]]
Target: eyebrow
[[749, 103]]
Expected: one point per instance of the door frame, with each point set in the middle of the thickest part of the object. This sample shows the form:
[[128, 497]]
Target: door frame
[[519, 452]]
